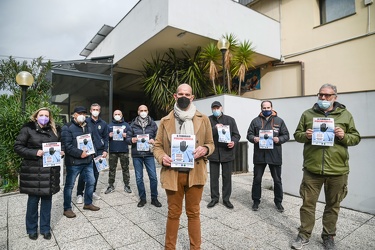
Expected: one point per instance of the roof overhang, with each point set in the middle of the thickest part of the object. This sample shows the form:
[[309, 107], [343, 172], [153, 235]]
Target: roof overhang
[[156, 26]]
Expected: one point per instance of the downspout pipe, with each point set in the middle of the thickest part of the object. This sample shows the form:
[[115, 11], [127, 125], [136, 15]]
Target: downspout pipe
[[302, 66]]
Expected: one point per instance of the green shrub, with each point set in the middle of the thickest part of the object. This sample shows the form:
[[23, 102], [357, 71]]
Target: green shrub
[[11, 117]]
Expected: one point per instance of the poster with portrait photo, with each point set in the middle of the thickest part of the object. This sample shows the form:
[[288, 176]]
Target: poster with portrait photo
[[323, 131], [143, 142], [117, 133], [182, 149], [100, 163], [51, 154]]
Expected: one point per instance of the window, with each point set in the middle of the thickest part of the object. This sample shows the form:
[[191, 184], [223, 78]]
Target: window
[[331, 10]]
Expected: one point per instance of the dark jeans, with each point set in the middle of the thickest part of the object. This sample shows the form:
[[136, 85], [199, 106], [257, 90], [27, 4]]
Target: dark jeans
[[32, 214], [81, 181], [335, 190], [256, 192], [226, 173], [86, 171], [151, 171], [124, 161]]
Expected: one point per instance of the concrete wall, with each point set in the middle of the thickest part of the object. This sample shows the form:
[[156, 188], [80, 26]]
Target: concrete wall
[[361, 196]]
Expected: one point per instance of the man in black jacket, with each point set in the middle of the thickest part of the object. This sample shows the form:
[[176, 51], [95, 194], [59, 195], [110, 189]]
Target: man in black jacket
[[77, 161], [261, 127], [144, 127], [222, 126]]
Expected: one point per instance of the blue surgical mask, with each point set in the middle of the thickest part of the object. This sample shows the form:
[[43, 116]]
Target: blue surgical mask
[[266, 113], [216, 112], [324, 104]]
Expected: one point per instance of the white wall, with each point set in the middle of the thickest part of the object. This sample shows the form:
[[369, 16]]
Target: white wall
[[362, 171]]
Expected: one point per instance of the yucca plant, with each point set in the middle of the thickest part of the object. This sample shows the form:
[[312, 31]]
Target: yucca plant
[[210, 56], [242, 60], [233, 43]]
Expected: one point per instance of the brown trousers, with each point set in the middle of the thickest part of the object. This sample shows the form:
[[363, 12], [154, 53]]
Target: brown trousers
[[193, 196]]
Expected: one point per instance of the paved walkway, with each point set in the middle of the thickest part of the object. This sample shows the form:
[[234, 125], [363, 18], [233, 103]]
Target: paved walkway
[[120, 224]]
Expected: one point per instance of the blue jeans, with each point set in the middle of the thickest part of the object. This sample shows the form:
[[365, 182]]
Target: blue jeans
[[32, 214], [81, 182], [151, 171], [71, 175]]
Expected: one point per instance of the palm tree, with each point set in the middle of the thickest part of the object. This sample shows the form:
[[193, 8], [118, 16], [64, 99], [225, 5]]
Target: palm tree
[[233, 43], [242, 60], [210, 56], [163, 74]]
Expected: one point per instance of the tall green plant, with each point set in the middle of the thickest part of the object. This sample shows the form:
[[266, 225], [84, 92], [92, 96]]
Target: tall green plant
[[164, 73], [11, 117], [242, 60], [233, 43], [210, 56]]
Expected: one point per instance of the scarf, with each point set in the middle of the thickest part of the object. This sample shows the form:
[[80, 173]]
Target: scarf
[[185, 118], [142, 122]]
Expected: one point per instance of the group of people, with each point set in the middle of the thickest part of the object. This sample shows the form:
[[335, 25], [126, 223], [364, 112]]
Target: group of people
[[319, 167]]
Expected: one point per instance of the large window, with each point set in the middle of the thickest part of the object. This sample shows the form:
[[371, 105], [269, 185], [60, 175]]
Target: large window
[[335, 9]]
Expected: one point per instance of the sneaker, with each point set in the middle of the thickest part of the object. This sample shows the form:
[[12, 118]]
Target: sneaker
[[91, 207], [69, 214], [299, 243], [141, 203], [110, 189], [79, 199], [328, 242], [279, 207], [155, 202], [255, 206], [127, 189], [95, 196]]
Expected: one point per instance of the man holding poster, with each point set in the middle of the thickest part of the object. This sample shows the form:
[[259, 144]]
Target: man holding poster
[[324, 164], [181, 182], [226, 136], [268, 132]]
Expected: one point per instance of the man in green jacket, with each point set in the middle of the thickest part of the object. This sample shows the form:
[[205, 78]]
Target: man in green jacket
[[324, 165]]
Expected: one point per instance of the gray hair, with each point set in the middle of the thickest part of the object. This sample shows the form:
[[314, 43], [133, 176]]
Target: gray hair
[[331, 86]]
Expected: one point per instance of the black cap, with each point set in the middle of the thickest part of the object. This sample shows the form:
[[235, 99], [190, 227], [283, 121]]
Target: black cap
[[215, 104], [80, 109]]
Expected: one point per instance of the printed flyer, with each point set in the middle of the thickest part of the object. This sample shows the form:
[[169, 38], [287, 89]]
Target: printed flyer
[[51, 154], [182, 149]]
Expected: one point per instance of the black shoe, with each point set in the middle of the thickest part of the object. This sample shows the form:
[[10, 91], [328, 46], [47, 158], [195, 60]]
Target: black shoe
[[47, 236], [155, 202], [33, 236], [279, 207], [228, 204], [255, 206], [141, 203], [212, 203]]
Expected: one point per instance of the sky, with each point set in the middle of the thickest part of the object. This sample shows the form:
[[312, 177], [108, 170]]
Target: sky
[[54, 29]]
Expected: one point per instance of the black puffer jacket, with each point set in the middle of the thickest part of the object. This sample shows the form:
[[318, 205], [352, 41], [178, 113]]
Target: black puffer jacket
[[34, 179], [275, 123], [151, 129], [69, 134]]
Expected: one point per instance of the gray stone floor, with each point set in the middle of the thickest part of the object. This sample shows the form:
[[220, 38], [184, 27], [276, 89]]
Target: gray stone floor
[[120, 224]]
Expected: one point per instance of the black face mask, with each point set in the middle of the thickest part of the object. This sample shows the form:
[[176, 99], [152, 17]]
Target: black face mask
[[51, 151], [183, 102], [223, 131], [266, 136], [85, 141]]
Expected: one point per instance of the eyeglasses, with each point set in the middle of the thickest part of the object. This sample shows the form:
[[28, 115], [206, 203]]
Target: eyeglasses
[[325, 95]]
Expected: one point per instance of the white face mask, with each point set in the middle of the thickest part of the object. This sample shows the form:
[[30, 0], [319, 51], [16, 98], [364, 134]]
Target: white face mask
[[81, 118], [143, 115], [95, 113], [117, 117]]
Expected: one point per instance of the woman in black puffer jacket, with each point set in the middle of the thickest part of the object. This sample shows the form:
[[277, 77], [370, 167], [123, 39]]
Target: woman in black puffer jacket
[[39, 182]]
